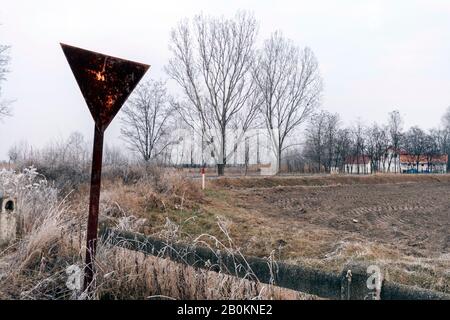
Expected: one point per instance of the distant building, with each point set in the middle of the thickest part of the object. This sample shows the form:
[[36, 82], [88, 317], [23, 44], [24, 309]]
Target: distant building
[[395, 162], [403, 162], [435, 164], [357, 165]]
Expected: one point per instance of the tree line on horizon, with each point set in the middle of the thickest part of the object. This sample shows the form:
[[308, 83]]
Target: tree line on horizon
[[228, 84], [328, 144]]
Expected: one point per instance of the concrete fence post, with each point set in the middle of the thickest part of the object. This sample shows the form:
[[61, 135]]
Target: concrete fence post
[[361, 281], [8, 219]]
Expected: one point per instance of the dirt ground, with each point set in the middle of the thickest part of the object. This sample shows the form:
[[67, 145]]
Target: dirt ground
[[399, 222], [414, 218]]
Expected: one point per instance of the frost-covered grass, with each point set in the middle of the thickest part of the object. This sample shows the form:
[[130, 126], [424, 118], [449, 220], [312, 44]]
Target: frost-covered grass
[[33, 193], [52, 239]]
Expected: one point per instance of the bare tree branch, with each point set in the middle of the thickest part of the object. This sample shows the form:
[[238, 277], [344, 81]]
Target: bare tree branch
[[211, 62], [145, 120], [290, 86], [5, 109]]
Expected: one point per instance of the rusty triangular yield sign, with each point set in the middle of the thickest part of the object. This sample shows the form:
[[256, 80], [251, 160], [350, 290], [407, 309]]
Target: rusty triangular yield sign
[[105, 81]]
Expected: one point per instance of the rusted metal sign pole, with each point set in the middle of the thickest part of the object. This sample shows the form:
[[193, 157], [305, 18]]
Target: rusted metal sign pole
[[105, 82], [94, 200]]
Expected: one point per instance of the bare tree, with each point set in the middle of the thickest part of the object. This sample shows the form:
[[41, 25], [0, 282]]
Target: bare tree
[[296, 161], [415, 143], [315, 138], [289, 85], [444, 138], [145, 120], [377, 143], [321, 139], [114, 156], [359, 146], [4, 61], [72, 152], [446, 118], [343, 148], [13, 155], [432, 147], [395, 126], [211, 60], [20, 153], [331, 131], [76, 151]]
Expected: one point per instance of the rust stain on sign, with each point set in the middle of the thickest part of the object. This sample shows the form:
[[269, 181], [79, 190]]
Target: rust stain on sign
[[105, 81]]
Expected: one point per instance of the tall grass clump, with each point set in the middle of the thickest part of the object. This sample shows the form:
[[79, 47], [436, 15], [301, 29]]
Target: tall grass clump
[[33, 267], [125, 274], [33, 194]]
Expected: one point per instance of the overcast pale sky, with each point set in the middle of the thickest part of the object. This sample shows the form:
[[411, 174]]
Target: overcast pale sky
[[374, 56]]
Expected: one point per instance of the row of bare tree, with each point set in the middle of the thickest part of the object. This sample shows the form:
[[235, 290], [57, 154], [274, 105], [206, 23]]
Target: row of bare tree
[[328, 144], [225, 85]]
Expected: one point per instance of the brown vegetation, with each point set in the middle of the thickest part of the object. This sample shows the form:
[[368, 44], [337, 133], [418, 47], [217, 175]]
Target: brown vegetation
[[35, 267], [325, 180], [399, 222]]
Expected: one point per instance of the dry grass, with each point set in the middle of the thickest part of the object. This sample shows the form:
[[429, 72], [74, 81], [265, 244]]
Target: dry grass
[[126, 274], [164, 190], [35, 267], [258, 232], [172, 207], [430, 273], [324, 180], [30, 267], [149, 203]]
